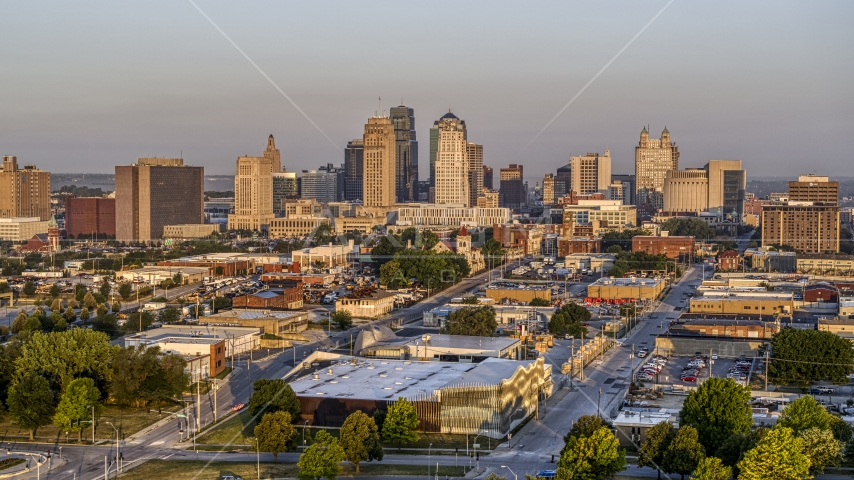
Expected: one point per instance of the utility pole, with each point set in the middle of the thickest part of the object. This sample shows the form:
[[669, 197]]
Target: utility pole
[[766, 370]]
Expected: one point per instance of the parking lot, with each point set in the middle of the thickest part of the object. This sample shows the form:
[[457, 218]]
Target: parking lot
[[672, 370]]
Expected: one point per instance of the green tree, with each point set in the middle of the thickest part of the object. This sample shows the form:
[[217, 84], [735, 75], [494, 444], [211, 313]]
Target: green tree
[[169, 381], [476, 321], [101, 309], [594, 457], [539, 302], [106, 324], [470, 300], [718, 409], [69, 314], [585, 426], [56, 305], [125, 290], [651, 451], [84, 313], [29, 288], [321, 459], [75, 406], [391, 276], [492, 252], [131, 366], [79, 292], [778, 456], [273, 395], [18, 323], [711, 468], [59, 323], [54, 290], [105, 287], [569, 320], [822, 449], [401, 423], [33, 324], [38, 302], [360, 439], [89, 301], [274, 433], [115, 307], [169, 315], [684, 452], [31, 402], [67, 355], [73, 303], [803, 357], [693, 227], [804, 413], [342, 319]]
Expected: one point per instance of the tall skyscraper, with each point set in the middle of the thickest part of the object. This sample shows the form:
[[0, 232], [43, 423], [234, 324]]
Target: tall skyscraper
[[686, 191], [406, 152], [590, 173], [512, 189], [273, 154], [475, 160], [354, 170], [434, 142], [653, 158], [156, 192], [24, 192], [451, 164], [379, 163], [727, 184], [487, 178], [253, 194]]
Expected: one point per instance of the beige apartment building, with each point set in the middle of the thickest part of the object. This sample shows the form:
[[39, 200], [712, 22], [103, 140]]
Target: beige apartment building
[[379, 163], [474, 152], [426, 215], [653, 158], [156, 192], [302, 208], [806, 226], [24, 192], [452, 165], [489, 199], [253, 194], [686, 190], [590, 173], [814, 188]]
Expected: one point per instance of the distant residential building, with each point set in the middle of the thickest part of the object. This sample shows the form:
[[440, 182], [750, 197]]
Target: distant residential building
[[489, 199], [426, 215], [474, 153], [653, 158], [590, 173], [569, 246], [156, 192], [379, 163], [253, 194], [728, 260], [512, 186], [450, 164], [354, 170], [284, 187], [807, 226], [406, 152], [24, 192], [90, 217], [674, 247]]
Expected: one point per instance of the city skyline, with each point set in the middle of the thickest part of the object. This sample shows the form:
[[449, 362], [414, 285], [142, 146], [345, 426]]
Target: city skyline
[[192, 93]]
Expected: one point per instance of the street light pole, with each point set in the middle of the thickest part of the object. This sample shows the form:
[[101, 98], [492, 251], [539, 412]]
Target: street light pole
[[117, 446], [428, 460], [515, 477]]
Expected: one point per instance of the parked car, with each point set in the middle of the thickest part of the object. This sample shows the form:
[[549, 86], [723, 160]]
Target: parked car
[[689, 379]]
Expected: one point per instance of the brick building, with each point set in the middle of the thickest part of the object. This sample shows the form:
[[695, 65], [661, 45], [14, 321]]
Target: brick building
[[728, 260], [568, 246], [281, 295], [671, 247], [90, 217], [526, 239]]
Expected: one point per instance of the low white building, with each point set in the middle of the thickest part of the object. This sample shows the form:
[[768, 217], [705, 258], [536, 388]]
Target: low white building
[[187, 340]]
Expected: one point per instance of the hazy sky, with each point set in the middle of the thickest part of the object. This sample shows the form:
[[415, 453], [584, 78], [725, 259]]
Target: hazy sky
[[88, 85]]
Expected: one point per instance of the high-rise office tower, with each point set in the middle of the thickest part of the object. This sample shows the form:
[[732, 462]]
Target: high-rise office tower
[[727, 184], [809, 221], [653, 158], [24, 192], [487, 178], [320, 185], [379, 163], [475, 160], [156, 192], [434, 143], [590, 173], [253, 194], [354, 170], [273, 154], [406, 152], [549, 196], [451, 164], [627, 185], [512, 189], [284, 188]]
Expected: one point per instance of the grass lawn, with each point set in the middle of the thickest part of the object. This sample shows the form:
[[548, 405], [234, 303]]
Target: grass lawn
[[129, 420], [238, 430], [10, 462], [191, 469]]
